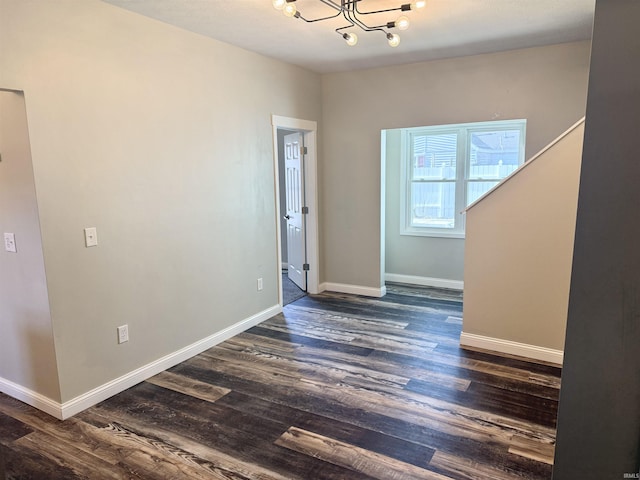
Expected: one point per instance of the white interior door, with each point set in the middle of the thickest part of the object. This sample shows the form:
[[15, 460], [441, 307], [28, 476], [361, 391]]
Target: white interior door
[[294, 191]]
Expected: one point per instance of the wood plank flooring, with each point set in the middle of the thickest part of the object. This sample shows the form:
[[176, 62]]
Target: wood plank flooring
[[336, 387]]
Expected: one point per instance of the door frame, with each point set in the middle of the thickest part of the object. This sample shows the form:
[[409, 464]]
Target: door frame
[[308, 129]]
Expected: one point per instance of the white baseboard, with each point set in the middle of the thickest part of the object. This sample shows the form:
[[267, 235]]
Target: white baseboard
[[97, 395], [512, 348], [353, 289], [30, 397], [285, 265], [424, 281]]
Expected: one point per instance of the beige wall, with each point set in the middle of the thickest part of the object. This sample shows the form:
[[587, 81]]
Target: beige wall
[[162, 140], [519, 251], [545, 85], [27, 355]]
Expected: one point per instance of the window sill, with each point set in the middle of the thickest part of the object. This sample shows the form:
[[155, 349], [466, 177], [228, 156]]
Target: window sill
[[432, 233]]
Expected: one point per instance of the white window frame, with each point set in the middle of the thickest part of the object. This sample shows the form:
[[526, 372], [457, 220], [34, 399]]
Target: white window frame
[[463, 132]]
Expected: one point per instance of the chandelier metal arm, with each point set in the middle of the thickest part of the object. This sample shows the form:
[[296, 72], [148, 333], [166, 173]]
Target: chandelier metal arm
[[333, 4], [365, 29], [348, 14], [348, 6], [402, 8], [297, 15], [378, 11], [351, 13], [329, 3], [343, 28]]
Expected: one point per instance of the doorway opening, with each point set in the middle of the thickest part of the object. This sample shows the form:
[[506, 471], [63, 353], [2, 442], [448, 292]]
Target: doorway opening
[[295, 169]]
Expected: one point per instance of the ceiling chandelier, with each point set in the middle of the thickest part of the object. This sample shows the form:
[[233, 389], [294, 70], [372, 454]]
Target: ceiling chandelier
[[352, 14]]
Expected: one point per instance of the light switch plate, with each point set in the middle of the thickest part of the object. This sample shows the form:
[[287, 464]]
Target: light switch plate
[[90, 236], [10, 243]]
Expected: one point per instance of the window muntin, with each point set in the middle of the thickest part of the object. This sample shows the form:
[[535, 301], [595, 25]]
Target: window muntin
[[445, 169]]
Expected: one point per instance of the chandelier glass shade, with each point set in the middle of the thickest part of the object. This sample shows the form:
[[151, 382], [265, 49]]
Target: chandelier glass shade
[[351, 11]]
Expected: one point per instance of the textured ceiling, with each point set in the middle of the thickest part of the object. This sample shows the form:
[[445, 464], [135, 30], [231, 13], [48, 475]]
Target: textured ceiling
[[442, 29]]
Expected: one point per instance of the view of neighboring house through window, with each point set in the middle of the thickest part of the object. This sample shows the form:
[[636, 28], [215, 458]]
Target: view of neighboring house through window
[[447, 168]]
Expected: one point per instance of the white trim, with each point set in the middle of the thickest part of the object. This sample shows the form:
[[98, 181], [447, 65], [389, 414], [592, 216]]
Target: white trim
[[424, 281], [120, 384], [311, 197], [308, 128], [293, 123], [383, 202], [30, 397], [526, 164], [557, 140], [353, 289], [276, 190], [512, 348], [109, 389]]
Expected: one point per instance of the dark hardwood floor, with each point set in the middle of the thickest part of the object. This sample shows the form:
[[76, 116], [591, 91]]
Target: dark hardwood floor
[[336, 387]]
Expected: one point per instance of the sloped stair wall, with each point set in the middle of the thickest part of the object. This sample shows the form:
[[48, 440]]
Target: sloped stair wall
[[518, 254]]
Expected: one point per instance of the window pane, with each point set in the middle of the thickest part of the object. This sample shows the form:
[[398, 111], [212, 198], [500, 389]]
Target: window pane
[[434, 156], [433, 204], [476, 189], [445, 168], [494, 154]]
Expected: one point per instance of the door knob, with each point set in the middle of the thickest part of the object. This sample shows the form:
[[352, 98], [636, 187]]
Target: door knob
[[287, 217]]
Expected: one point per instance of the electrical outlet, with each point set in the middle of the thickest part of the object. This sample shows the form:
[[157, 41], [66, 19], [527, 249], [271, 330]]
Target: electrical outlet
[[10, 242], [123, 334], [260, 284]]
